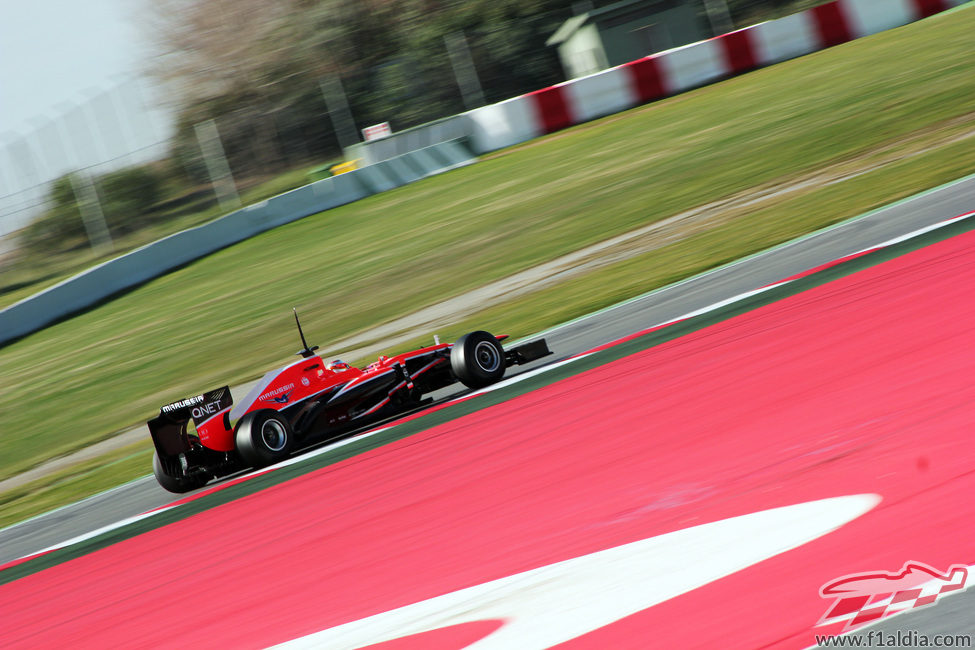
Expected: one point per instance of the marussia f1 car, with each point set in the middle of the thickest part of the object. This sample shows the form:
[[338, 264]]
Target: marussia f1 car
[[309, 399]]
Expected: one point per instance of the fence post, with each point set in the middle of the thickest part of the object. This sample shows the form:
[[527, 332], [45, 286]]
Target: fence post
[[86, 195], [719, 17], [339, 111], [216, 162], [91, 210], [464, 70]]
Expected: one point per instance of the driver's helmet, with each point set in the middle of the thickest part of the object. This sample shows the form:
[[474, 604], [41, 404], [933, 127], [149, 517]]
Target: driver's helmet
[[338, 366]]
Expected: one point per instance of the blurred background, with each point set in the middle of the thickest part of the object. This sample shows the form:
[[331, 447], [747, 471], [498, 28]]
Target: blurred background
[[259, 95]]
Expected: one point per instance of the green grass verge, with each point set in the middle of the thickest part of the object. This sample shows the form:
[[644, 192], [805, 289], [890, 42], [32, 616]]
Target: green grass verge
[[226, 317]]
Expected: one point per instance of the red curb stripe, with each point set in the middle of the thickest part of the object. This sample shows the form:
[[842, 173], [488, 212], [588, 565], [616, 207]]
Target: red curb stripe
[[925, 8], [823, 267], [646, 78], [552, 107], [739, 52], [959, 217], [832, 25]]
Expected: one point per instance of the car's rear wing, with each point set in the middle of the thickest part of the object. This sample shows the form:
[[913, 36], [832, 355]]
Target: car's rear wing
[[168, 429]]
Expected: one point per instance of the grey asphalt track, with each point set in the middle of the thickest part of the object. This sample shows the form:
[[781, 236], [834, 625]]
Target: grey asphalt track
[[585, 333], [948, 616]]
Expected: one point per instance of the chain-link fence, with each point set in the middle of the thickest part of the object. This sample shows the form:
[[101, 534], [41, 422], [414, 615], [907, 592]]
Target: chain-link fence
[[113, 129]]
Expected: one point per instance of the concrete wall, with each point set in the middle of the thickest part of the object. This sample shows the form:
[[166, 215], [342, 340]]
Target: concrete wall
[[97, 283], [456, 127]]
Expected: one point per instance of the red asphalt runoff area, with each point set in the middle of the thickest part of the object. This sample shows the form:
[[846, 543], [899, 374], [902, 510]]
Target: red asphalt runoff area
[[861, 385]]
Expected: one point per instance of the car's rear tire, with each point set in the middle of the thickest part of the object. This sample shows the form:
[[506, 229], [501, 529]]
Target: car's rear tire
[[264, 438], [177, 484], [477, 359]]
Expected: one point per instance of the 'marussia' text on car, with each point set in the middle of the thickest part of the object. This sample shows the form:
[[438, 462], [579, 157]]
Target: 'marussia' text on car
[[312, 399]]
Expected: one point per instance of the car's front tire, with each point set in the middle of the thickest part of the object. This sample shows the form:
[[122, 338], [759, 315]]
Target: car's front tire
[[264, 438], [177, 484], [477, 359]]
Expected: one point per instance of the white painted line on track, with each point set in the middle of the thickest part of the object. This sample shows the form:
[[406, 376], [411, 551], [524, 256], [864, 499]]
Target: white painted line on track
[[725, 303], [102, 530], [918, 232], [523, 376], [76, 503]]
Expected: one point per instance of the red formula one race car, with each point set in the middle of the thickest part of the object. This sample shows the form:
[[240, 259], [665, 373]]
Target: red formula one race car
[[310, 399]]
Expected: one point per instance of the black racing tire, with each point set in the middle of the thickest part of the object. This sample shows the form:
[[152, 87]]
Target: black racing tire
[[477, 359], [176, 484], [263, 438]]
